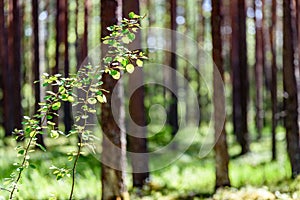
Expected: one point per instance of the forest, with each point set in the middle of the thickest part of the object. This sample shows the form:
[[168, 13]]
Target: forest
[[150, 99]]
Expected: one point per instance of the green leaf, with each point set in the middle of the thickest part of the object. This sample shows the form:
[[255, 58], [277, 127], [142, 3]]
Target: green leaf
[[32, 166], [51, 123], [32, 133], [107, 59], [71, 99], [139, 63], [58, 177], [21, 152], [117, 75], [56, 105], [124, 62], [70, 158], [131, 36], [92, 101], [54, 134], [126, 40], [26, 117], [41, 147], [101, 99], [84, 116], [131, 15], [129, 68]]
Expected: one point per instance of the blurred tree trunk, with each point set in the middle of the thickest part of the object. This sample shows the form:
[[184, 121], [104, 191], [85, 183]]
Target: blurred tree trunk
[[137, 133], [64, 25], [259, 65], [6, 75], [81, 43], [239, 73], [188, 57], [200, 38], [2, 30], [77, 41], [84, 45], [272, 32], [290, 88], [62, 55], [114, 137], [221, 152], [298, 27], [14, 63], [55, 69], [36, 62], [173, 109]]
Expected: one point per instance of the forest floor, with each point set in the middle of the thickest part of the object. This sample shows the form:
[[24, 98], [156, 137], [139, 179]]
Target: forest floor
[[253, 176]]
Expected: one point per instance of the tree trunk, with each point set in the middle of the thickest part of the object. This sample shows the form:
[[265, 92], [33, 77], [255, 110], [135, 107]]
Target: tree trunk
[[290, 88], [239, 73], [84, 45], [55, 70], [259, 66], [67, 105], [2, 49], [173, 109], [272, 32], [114, 137], [137, 141], [14, 59], [200, 39], [36, 62], [221, 152], [6, 74]]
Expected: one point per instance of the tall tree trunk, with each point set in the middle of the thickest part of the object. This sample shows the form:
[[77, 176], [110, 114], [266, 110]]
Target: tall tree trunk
[[14, 56], [221, 152], [2, 49], [62, 55], [114, 137], [36, 62], [64, 23], [200, 40], [6, 74], [137, 141], [186, 63], [173, 109], [298, 28], [290, 88], [272, 32], [239, 73], [259, 65], [55, 70], [77, 41], [84, 45]]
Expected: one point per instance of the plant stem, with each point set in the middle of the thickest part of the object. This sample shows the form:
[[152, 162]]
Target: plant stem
[[74, 167], [21, 170], [25, 155]]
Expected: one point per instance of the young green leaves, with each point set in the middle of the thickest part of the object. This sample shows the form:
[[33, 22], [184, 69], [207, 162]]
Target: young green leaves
[[119, 56]]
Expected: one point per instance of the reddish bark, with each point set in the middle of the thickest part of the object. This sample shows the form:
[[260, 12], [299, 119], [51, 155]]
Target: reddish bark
[[272, 32], [259, 66], [137, 141], [290, 88], [239, 73], [14, 63], [221, 152], [36, 62], [173, 109], [113, 178]]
